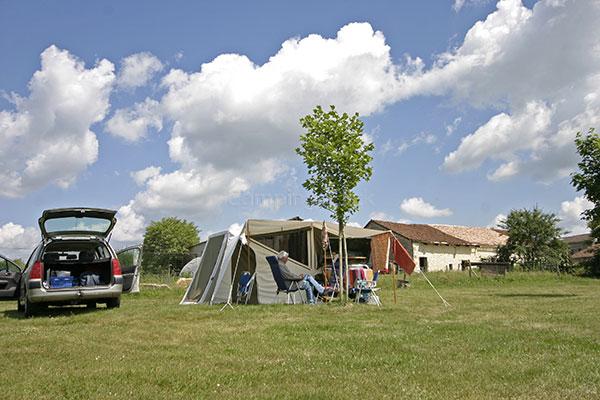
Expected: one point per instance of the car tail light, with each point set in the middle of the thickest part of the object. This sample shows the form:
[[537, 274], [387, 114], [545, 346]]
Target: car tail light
[[116, 267], [36, 270]]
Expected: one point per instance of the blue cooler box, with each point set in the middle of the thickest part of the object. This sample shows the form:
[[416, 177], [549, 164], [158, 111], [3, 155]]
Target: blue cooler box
[[57, 282]]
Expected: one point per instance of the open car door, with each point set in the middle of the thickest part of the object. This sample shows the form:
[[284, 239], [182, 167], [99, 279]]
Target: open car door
[[130, 259], [10, 277]]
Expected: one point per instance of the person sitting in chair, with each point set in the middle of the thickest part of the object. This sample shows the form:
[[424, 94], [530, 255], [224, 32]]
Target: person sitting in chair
[[308, 282]]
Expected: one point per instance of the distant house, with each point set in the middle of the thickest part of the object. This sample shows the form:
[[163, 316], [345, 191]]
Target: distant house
[[577, 243], [443, 247], [586, 254], [582, 247], [487, 240]]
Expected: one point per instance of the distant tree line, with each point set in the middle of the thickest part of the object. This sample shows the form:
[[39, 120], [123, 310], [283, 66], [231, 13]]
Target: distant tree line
[[167, 245], [534, 237], [534, 241]]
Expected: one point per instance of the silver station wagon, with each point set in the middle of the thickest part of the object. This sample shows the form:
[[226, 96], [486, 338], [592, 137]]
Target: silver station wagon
[[74, 263]]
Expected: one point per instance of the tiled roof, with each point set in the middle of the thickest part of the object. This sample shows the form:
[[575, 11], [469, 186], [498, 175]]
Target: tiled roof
[[421, 233], [588, 252], [585, 237], [476, 235]]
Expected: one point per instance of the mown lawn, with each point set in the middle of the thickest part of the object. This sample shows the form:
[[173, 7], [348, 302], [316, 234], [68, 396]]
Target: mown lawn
[[522, 336]]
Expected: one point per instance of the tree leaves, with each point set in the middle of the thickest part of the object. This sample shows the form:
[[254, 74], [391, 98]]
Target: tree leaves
[[588, 177], [167, 240], [337, 158], [588, 180], [534, 240]]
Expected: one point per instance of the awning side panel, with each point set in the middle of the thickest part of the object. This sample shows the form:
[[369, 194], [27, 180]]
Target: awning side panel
[[202, 276], [266, 286], [223, 284]]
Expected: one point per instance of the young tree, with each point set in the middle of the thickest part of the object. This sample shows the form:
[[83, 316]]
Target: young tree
[[167, 243], [534, 240], [338, 158], [587, 179]]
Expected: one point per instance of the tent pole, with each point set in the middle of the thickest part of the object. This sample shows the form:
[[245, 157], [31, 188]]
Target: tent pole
[[333, 268], [325, 266], [233, 280]]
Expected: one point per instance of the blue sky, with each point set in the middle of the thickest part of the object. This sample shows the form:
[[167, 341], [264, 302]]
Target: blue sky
[[190, 109]]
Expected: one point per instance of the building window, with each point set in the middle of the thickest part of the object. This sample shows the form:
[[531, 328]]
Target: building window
[[423, 264], [450, 267]]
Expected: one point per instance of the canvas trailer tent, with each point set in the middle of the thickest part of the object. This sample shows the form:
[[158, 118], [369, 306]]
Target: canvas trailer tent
[[226, 256]]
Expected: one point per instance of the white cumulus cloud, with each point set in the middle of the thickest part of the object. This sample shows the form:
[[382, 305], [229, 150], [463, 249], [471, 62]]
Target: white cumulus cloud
[[235, 122], [459, 4], [417, 207], [132, 124], [570, 214], [541, 66], [17, 241], [130, 226], [142, 176], [138, 69], [501, 138], [47, 139], [498, 219], [504, 171], [421, 138]]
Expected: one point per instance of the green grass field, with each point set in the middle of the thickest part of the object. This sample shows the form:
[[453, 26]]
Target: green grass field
[[522, 336]]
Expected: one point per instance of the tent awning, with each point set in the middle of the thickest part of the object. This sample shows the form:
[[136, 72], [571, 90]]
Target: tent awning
[[256, 227]]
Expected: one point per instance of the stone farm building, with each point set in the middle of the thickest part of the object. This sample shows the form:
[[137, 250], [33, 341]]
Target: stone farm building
[[582, 247], [444, 247]]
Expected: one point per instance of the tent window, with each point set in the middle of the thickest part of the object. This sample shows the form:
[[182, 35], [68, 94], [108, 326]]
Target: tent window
[[295, 243]]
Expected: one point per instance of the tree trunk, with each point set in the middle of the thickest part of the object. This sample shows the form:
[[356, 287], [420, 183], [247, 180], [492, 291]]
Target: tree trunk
[[340, 254], [347, 268]]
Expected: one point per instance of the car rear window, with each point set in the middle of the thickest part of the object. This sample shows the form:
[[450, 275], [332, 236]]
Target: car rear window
[[77, 224]]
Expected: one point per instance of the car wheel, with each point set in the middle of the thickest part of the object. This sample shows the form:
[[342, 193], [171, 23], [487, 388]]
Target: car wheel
[[22, 303], [29, 309], [113, 303]]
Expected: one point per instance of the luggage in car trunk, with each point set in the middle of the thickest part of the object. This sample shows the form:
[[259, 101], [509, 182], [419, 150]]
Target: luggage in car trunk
[[71, 264]]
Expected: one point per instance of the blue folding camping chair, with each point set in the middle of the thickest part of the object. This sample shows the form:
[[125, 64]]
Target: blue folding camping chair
[[290, 290], [245, 286]]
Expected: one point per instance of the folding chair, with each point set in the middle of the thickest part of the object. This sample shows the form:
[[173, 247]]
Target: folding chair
[[290, 290], [367, 290], [245, 286], [333, 287]]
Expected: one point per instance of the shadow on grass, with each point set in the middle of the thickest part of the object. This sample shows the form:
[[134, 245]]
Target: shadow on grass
[[52, 312], [535, 295]]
